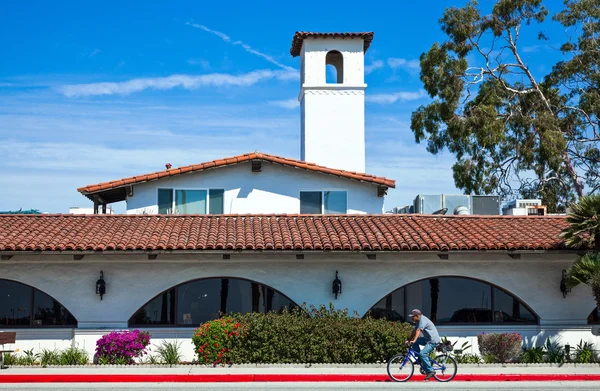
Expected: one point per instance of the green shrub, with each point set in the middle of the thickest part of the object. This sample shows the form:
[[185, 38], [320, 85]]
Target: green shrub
[[306, 335], [584, 353], [467, 358], [73, 356], [555, 353], [502, 347], [169, 352], [533, 355], [49, 357]]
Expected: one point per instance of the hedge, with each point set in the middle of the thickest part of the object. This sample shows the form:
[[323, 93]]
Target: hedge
[[302, 335]]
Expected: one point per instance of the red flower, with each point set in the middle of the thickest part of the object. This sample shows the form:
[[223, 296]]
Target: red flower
[[216, 345]]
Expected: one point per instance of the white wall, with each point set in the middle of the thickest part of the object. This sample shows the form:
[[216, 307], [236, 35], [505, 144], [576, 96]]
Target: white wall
[[333, 115], [274, 190], [133, 280], [314, 52]]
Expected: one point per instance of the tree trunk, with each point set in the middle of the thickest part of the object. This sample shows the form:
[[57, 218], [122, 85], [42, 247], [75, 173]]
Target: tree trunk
[[574, 177]]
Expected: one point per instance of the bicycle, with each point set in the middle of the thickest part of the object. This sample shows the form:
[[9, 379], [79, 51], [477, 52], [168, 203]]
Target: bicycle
[[401, 367]]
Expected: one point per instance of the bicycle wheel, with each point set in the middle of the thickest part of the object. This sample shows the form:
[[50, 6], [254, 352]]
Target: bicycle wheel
[[398, 369], [445, 367]]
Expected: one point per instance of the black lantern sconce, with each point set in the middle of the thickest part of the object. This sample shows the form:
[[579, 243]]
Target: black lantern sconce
[[563, 284], [337, 285], [101, 285]]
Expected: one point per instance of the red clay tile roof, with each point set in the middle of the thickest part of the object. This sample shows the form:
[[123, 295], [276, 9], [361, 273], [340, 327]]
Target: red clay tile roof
[[89, 189], [278, 232], [300, 36]]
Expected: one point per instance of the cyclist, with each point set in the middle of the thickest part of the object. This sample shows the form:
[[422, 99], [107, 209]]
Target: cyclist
[[425, 334]]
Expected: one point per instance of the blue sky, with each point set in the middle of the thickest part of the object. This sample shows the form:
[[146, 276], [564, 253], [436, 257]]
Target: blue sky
[[95, 92]]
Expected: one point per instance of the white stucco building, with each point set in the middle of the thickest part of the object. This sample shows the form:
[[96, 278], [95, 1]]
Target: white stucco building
[[257, 232]]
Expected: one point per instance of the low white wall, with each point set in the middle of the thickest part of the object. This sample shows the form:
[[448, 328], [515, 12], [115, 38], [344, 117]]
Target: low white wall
[[133, 280]]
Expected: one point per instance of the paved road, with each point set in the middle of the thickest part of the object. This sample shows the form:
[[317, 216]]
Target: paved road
[[497, 386]]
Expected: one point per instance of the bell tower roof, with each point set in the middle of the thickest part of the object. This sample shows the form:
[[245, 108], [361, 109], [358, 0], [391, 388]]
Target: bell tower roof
[[300, 36]]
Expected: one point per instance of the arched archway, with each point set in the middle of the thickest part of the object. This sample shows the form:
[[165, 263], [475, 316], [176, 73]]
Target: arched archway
[[22, 305], [197, 301], [334, 62], [455, 300]]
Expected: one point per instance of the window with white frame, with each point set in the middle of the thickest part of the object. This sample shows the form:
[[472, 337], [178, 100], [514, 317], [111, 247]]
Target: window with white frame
[[324, 202], [190, 201]]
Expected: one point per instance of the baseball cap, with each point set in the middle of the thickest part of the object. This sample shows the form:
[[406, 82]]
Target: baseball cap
[[415, 312]]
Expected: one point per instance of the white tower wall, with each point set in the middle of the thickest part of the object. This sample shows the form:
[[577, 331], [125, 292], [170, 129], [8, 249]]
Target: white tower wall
[[333, 114]]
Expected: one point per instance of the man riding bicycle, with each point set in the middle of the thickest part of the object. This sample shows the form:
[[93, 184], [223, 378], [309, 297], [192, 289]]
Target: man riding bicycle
[[425, 334]]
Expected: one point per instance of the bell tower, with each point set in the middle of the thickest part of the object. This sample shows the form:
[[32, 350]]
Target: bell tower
[[332, 98]]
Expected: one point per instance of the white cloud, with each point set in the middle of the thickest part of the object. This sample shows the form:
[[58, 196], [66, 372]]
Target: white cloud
[[286, 103], [246, 47], [377, 64], [188, 82], [403, 96], [95, 52], [409, 65]]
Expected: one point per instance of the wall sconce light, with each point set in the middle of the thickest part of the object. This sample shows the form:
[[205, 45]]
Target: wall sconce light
[[101, 285], [337, 285], [563, 284]]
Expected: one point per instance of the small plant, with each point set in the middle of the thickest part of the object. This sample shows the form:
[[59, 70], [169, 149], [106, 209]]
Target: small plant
[[122, 347], [555, 353], [461, 357], [467, 358], [169, 352], [103, 360], [49, 357], [533, 355], [9, 359], [73, 356], [30, 358], [503, 347], [584, 353]]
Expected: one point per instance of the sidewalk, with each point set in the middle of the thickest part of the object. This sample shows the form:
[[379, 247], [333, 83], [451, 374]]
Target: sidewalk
[[287, 373]]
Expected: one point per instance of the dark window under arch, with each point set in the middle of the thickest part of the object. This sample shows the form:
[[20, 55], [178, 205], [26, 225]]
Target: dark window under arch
[[25, 306], [448, 300], [198, 301]]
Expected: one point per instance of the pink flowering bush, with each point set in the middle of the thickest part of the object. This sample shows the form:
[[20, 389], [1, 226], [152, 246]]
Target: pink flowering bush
[[121, 347], [502, 347]]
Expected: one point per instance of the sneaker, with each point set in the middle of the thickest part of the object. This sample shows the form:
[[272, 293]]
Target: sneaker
[[429, 375]]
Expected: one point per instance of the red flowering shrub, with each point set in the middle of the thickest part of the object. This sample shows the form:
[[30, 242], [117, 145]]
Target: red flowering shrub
[[213, 340], [502, 347]]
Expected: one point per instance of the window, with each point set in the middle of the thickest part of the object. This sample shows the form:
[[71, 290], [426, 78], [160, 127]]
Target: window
[[594, 317], [454, 300], [323, 202], [165, 201], [190, 201], [334, 64], [25, 306], [196, 302]]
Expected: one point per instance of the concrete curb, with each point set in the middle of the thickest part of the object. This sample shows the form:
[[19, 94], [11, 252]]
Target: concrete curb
[[283, 378]]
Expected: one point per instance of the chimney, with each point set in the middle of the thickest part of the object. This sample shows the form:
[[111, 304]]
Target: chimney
[[168, 166]]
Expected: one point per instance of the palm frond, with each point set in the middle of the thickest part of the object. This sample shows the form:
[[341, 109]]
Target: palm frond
[[586, 270], [584, 223]]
